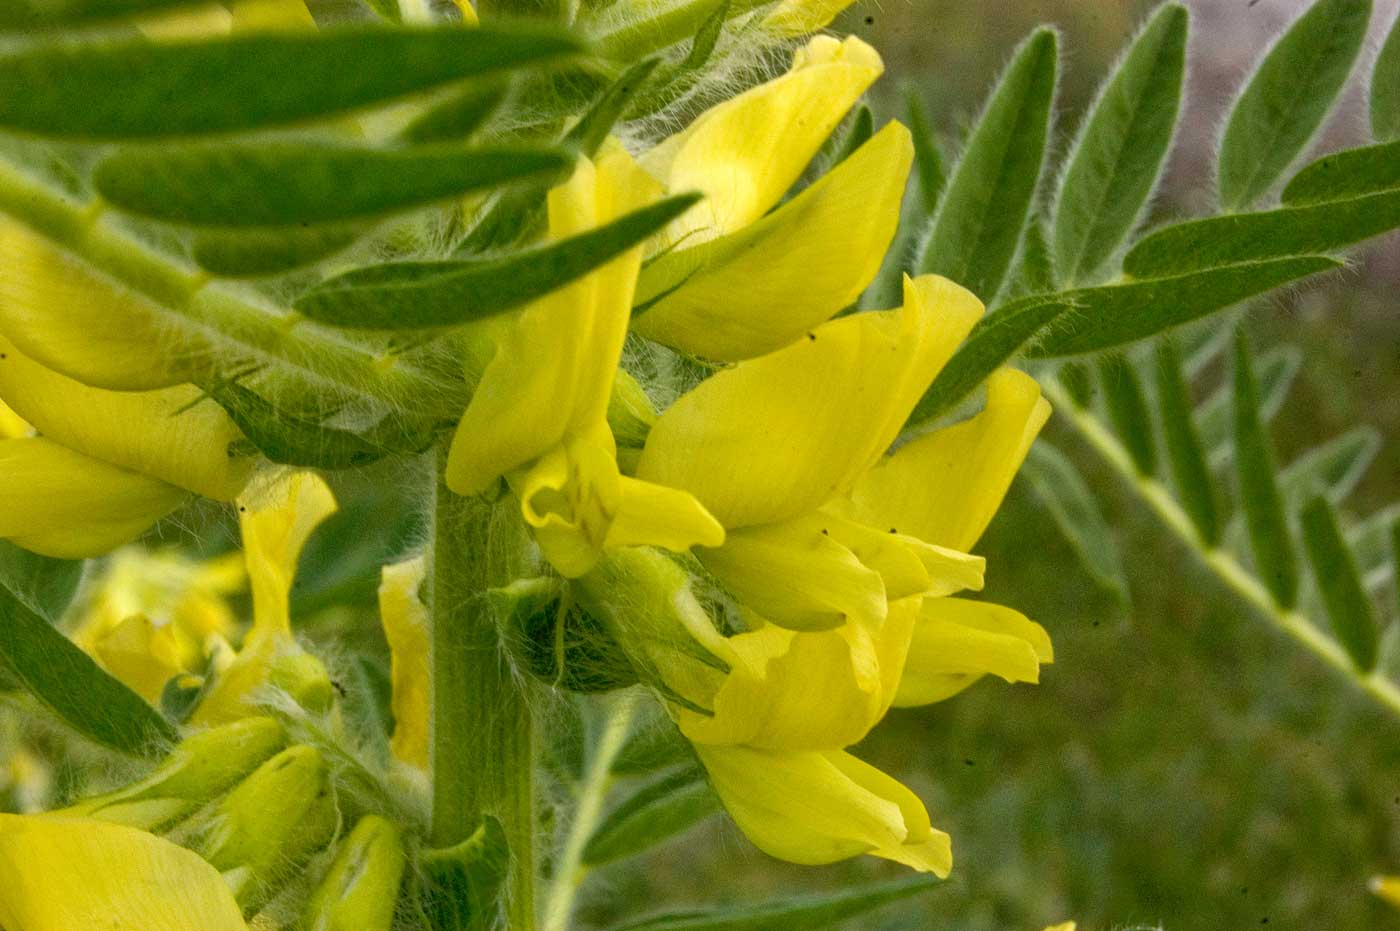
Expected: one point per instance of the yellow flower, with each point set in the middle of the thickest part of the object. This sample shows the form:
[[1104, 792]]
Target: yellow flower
[[820, 807], [1386, 888], [1063, 926], [799, 17], [61, 874], [770, 445], [151, 615], [277, 517], [539, 414], [68, 317], [406, 627], [730, 282], [108, 464]]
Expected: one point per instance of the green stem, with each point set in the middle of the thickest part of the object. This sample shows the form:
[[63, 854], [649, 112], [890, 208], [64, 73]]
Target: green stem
[[569, 872], [483, 754], [1219, 561]]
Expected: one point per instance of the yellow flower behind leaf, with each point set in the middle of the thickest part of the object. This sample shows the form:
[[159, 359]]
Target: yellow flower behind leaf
[[63, 874], [728, 282], [70, 318], [760, 287], [539, 414]]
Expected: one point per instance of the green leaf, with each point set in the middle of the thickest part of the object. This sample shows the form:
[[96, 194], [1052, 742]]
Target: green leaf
[[653, 747], [287, 438], [1079, 382], [1385, 89], [42, 584], [381, 520], [55, 672], [1345, 174], [1276, 370], [27, 15], [293, 183], [1250, 237], [136, 89], [257, 253], [994, 340], [460, 887], [652, 815], [1185, 454], [1288, 97], [1127, 411], [929, 170], [861, 127], [1395, 553], [1344, 598], [988, 200], [1118, 156], [602, 115], [1117, 314], [415, 295], [457, 116], [1058, 485], [1333, 469], [804, 913], [1036, 274], [674, 81], [1369, 542], [1270, 541]]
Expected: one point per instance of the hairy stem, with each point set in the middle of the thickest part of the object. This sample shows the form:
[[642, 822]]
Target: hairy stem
[[1222, 564], [569, 871], [483, 754]]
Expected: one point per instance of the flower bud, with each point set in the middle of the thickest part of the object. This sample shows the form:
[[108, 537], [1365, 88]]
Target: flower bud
[[304, 678], [272, 822], [361, 889], [200, 768]]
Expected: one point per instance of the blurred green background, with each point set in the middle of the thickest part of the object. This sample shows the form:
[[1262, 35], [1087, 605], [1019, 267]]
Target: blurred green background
[[1180, 765]]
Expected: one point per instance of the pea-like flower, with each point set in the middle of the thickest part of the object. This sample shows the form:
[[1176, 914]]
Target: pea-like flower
[[539, 414]]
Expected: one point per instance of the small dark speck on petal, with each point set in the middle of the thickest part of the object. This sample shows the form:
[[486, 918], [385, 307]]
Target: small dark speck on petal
[[812, 337]]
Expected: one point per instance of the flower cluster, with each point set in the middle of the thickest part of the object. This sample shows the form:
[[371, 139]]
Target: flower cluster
[[772, 554]]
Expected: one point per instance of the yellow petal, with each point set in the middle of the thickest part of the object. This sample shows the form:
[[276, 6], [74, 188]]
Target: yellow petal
[[277, 517], [1063, 926], [654, 515], [745, 153], [579, 505], [908, 565], [143, 656], [814, 808], [778, 436], [795, 575], [74, 320], [799, 17], [758, 289], [957, 641], [12, 425], [407, 628], [61, 503], [806, 691], [157, 433], [553, 369], [62, 874], [945, 487]]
